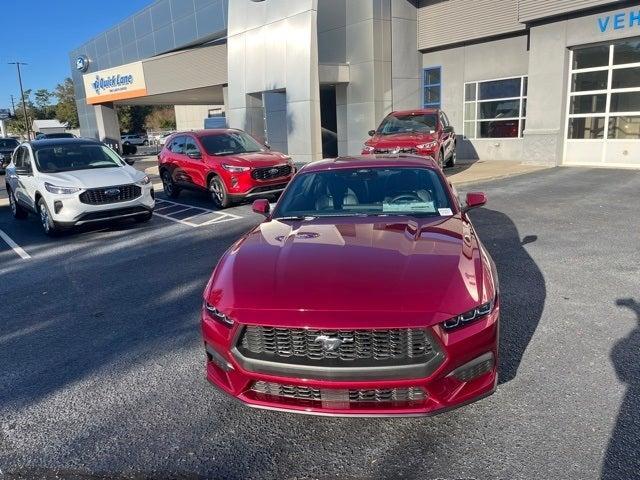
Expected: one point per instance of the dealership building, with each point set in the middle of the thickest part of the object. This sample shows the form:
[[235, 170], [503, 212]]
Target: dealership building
[[554, 82]]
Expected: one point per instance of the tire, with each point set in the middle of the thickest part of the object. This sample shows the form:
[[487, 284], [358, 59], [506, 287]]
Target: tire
[[452, 159], [145, 143], [47, 223], [18, 211], [219, 193], [439, 160], [170, 188], [143, 218], [127, 143]]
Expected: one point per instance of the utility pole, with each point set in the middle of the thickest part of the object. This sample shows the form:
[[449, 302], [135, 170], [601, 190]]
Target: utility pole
[[13, 106], [24, 105]]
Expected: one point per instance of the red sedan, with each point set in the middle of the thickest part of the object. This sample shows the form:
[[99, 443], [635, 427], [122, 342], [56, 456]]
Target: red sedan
[[365, 292], [228, 163]]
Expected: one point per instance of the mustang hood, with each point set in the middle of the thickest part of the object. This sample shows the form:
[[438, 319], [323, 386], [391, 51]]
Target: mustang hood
[[433, 266]]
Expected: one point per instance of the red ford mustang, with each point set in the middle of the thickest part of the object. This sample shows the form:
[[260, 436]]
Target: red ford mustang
[[365, 292]]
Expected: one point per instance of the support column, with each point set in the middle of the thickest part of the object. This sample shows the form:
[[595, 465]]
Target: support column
[[108, 125]]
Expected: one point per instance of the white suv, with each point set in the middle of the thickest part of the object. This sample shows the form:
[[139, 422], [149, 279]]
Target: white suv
[[69, 182]]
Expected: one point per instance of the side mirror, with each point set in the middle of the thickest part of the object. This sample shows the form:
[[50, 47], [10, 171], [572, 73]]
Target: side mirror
[[129, 160], [475, 200], [194, 155], [267, 146], [448, 129], [371, 133], [261, 206]]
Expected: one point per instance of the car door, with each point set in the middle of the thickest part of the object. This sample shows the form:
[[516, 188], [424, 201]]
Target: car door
[[179, 161], [25, 190], [193, 162]]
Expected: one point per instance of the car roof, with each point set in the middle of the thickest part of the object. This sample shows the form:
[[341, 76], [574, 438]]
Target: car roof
[[51, 142], [370, 161], [208, 131]]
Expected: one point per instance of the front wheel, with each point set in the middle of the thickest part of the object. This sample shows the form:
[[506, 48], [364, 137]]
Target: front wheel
[[219, 193], [48, 225], [17, 210], [452, 160], [145, 143], [439, 160], [168, 186]]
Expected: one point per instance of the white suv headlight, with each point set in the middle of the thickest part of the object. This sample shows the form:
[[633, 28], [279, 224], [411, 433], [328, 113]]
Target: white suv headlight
[[61, 190], [144, 181]]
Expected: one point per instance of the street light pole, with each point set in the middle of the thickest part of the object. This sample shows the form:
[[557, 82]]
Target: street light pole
[[24, 105]]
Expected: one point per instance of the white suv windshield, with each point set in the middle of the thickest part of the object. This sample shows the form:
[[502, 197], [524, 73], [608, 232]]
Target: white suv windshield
[[64, 158], [365, 192]]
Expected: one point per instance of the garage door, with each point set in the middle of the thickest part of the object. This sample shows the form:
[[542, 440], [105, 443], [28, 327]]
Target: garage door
[[603, 111]]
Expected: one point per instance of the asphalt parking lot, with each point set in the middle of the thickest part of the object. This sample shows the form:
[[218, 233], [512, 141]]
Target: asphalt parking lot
[[102, 366]]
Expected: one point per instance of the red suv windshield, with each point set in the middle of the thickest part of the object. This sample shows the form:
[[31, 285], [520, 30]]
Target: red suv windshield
[[419, 122], [230, 143]]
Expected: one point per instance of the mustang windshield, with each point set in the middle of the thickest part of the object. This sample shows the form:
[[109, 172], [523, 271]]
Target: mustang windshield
[[75, 156], [365, 191], [421, 123], [230, 144]]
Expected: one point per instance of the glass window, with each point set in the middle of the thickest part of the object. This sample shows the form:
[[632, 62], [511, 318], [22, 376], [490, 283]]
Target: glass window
[[589, 57], [177, 145], [586, 127], [8, 143], [500, 109], [499, 89], [397, 123], [17, 157], [625, 78], [498, 129], [586, 81], [364, 191], [432, 86], [190, 146], [469, 129], [75, 156], [588, 103], [626, 52], [470, 91], [624, 127], [487, 116], [230, 143], [625, 102]]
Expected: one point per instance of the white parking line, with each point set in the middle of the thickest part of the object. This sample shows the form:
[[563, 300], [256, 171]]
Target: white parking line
[[197, 212], [14, 246]]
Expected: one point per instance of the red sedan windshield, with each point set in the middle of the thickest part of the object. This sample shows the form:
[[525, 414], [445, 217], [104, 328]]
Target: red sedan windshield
[[365, 191]]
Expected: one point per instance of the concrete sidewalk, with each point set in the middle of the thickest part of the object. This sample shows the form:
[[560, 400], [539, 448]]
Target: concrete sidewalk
[[483, 170]]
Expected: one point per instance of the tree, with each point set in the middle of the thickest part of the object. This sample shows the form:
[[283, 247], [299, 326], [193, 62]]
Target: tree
[[161, 118], [132, 117], [66, 109]]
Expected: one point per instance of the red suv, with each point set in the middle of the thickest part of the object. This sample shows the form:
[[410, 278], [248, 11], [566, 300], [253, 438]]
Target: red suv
[[228, 163], [424, 132]]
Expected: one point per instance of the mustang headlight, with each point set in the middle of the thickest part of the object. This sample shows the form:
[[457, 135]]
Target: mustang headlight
[[468, 317], [216, 315], [60, 190], [234, 168], [427, 146], [144, 181]]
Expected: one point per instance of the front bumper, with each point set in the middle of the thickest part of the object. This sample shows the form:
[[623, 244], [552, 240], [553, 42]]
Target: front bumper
[[68, 210], [243, 185], [467, 372]]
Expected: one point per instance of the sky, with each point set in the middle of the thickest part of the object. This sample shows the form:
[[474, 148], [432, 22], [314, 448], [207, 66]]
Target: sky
[[43, 32]]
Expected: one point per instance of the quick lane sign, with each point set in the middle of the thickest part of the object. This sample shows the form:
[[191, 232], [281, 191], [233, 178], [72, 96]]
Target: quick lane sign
[[619, 21], [119, 83]]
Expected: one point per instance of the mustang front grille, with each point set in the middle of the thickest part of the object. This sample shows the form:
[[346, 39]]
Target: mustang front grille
[[378, 395], [119, 193], [337, 348], [271, 172]]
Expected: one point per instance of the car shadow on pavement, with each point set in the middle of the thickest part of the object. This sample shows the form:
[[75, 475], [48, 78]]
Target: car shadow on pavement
[[622, 458], [522, 286]]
